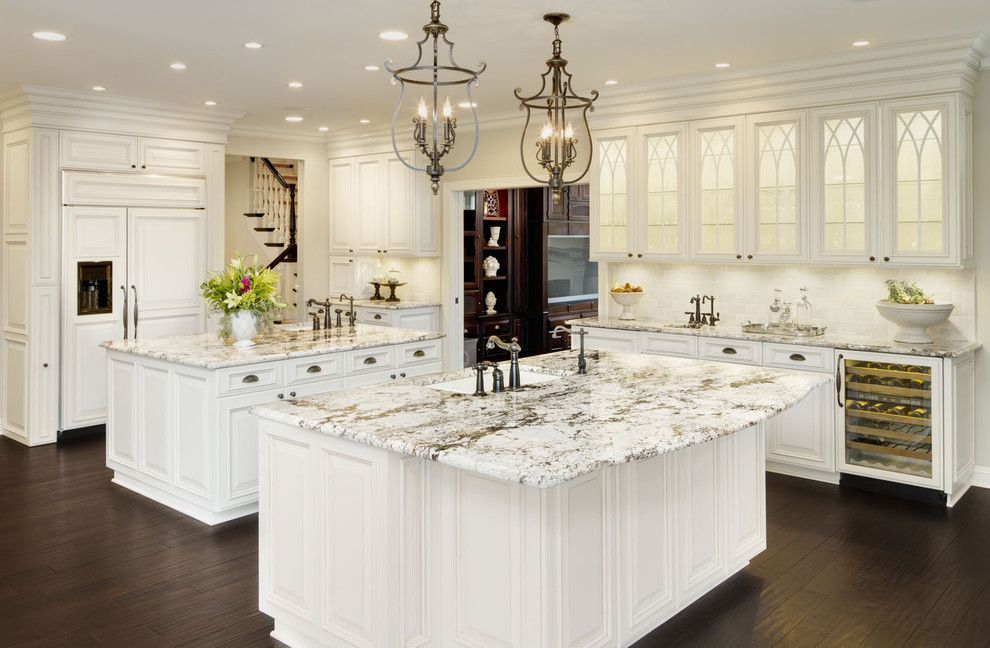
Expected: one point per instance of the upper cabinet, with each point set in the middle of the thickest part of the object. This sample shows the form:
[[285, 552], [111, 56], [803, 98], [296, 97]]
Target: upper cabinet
[[101, 152], [380, 206], [885, 183]]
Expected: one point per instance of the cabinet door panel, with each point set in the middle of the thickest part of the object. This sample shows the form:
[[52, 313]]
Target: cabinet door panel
[[155, 421], [802, 435], [173, 156], [663, 192], [342, 207], [97, 152], [399, 223], [239, 434], [777, 185], [717, 207], [370, 188], [612, 198], [122, 422]]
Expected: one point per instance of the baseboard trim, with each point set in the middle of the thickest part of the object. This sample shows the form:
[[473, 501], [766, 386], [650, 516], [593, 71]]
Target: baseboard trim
[[181, 505], [803, 472], [77, 434], [981, 476]]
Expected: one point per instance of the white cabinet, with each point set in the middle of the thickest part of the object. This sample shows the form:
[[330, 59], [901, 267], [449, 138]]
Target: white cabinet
[[378, 206], [102, 152], [425, 318], [717, 192], [612, 200], [802, 436], [612, 340]]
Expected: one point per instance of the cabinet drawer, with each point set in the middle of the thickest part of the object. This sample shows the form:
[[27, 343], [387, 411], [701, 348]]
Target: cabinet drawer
[[362, 362], [741, 351], [500, 328], [794, 356], [419, 353], [380, 316], [305, 370], [669, 344], [611, 340], [238, 380]]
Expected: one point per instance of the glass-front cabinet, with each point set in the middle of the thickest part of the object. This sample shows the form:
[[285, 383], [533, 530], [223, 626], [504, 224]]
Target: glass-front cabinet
[[716, 196], [611, 184], [890, 417], [662, 195]]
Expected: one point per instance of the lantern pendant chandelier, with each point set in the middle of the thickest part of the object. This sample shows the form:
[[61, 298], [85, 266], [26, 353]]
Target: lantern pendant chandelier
[[557, 145], [435, 126]]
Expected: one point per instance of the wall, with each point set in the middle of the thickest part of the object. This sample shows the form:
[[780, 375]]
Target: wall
[[238, 236], [981, 217]]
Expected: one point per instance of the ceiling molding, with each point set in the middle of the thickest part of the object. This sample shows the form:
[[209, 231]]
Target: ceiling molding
[[275, 134], [45, 107], [941, 65]]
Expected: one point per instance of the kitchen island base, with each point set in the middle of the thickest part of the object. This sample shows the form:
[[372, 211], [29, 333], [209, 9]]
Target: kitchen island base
[[360, 546]]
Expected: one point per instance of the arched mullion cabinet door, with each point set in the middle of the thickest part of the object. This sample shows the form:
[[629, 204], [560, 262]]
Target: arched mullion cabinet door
[[775, 214], [717, 231], [612, 205], [922, 189], [662, 188], [844, 182]]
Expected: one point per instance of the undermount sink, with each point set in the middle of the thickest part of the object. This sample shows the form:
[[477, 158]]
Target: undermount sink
[[683, 326], [776, 329], [466, 385], [295, 326]]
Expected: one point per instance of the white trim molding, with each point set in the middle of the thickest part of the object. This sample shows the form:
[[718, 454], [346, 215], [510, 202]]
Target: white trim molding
[[981, 476]]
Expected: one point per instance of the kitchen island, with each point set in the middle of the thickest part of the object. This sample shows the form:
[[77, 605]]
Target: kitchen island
[[581, 510], [179, 427]]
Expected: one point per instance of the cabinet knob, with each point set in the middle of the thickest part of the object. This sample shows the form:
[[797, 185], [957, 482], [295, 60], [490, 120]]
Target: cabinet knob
[[350, 260], [280, 396], [402, 375], [292, 394], [749, 256], [630, 255], [873, 258], [133, 166], [45, 365], [738, 256], [886, 258], [144, 166], [640, 255], [392, 376]]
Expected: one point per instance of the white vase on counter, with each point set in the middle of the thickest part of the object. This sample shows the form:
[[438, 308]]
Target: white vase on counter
[[243, 326]]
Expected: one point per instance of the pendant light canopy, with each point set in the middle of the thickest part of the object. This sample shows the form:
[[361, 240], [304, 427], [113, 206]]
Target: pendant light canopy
[[434, 125], [557, 146]]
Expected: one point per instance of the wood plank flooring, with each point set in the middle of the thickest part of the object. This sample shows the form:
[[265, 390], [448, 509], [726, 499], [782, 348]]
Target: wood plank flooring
[[86, 563]]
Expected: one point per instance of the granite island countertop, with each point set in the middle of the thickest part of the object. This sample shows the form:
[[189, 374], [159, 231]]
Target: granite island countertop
[[209, 352], [387, 305], [626, 408], [937, 349]]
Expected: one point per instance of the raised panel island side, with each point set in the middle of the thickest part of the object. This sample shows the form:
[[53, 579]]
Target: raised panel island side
[[580, 510], [179, 428]]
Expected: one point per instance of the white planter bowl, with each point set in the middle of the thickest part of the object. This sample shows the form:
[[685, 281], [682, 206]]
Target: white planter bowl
[[913, 319], [627, 300]]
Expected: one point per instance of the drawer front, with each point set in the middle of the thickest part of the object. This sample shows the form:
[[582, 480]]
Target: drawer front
[[363, 362], [132, 190], [685, 346], [419, 353], [238, 380], [795, 356], [417, 320], [315, 368], [741, 351], [380, 316], [500, 328]]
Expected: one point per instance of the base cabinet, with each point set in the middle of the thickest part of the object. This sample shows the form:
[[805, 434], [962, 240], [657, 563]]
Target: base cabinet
[[360, 546], [801, 436]]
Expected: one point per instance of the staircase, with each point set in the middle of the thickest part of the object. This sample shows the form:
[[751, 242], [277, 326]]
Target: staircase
[[274, 201]]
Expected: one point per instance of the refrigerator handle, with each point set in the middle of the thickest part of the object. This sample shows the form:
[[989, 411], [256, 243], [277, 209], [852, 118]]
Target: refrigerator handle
[[124, 288], [838, 381], [135, 310]]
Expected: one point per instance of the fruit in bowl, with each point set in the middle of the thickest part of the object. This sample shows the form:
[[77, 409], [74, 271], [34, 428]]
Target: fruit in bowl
[[912, 310], [626, 295]]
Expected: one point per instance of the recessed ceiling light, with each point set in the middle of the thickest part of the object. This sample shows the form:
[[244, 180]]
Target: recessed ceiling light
[[323, 129], [722, 66], [611, 82], [293, 118], [99, 89], [295, 84], [861, 43], [365, 121], [210, 102], [178, 66], [467, 104], [393, 35], [253, 45], [49, 36], [371, 68]]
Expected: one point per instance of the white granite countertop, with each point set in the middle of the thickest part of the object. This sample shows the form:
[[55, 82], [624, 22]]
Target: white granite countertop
[[400, 305], [937, 349], [209, 352], [627, 407]]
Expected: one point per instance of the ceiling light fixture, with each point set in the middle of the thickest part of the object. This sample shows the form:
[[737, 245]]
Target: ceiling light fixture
[[178, 66], [611, 82], [723, 66], [293, 118], [49, 36], [365, 121], [393, 35], [861, 43], [557, 145], [323, 129], [99, 89], [371, 68], [253, 45], [295, 84], [439, 141], [210, 102], [467, 104]]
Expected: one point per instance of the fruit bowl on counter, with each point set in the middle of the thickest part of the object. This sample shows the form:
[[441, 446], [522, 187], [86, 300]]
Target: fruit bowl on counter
[[627, 295], [912, 310]]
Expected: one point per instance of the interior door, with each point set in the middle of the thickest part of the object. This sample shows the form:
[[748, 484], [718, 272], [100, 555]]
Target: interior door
[[165, 265]]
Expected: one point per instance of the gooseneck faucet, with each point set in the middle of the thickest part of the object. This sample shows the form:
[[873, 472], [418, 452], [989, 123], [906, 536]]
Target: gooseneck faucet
[[513, 348], [327, 322], [694, 318], [351, 316], [563, 330], [711, 316]]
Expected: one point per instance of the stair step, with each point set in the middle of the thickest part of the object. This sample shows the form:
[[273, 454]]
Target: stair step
[[254, 214], [274, 244], [264, 229]]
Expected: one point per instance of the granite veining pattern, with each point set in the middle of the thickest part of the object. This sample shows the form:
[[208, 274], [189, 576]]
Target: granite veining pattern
[[209, 352], [937, 349], [627, 407], [387, 305]]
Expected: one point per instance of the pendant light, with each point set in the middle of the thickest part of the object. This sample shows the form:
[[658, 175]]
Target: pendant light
[[434, 125], [557, 146]]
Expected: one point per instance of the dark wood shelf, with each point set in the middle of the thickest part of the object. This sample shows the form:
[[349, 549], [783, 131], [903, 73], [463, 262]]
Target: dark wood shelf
[[495, 218], [494, 248], [495, 278], [468, 234]]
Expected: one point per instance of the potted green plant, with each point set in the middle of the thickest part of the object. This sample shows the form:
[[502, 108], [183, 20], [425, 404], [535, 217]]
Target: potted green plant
[[246, 296], [912, 310]]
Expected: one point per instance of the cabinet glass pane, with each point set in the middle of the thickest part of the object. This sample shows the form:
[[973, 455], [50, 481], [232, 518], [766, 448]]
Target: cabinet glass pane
[[662, 224], [612, 188], [718, 190], [920, 178], [844, 183], [777, 195], [888, 417]]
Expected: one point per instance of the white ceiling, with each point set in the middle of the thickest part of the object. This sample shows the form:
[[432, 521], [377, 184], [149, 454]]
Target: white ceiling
[[127, 45]]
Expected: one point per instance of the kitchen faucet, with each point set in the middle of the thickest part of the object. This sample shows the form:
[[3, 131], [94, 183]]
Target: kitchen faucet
[[711, 315], [695, 318], [327, 322], [563, 330], [351, 317], [513, 348]]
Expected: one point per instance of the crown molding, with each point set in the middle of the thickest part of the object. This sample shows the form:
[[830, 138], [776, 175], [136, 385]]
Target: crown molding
[[275, 134], [933, 66], [45, 107]]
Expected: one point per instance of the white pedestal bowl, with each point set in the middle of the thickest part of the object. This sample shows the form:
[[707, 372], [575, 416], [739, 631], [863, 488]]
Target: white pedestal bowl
[[913, 319], [626, 300]]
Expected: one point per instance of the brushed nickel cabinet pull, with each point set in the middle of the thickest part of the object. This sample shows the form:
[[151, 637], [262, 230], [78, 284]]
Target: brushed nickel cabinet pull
[[314, 369], [729, 351], [370, 361], [838, 382], [124, 288], [419, 353], [292, 394], [134, 288], [797, 357], [250, 378]]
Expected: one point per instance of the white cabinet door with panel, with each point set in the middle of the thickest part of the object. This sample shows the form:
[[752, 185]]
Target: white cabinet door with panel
[[717, 190], [97, 151], [342, 212], [369, 211], [803, 435], [661, 217], [172, 156], [612, 184], [398, 233]]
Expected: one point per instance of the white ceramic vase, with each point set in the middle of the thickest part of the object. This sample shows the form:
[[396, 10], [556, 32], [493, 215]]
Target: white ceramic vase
[[494, 233], [243, 326], [913, 320], [491, 265]]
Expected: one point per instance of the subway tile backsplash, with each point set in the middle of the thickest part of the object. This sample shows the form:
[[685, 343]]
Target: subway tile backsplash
[[843, 299]]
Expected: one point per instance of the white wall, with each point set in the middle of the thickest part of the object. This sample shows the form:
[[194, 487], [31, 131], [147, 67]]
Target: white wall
[[981, 217], [238, 236]]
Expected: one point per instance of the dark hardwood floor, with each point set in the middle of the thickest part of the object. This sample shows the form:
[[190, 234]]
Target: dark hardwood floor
[[85, 563]]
